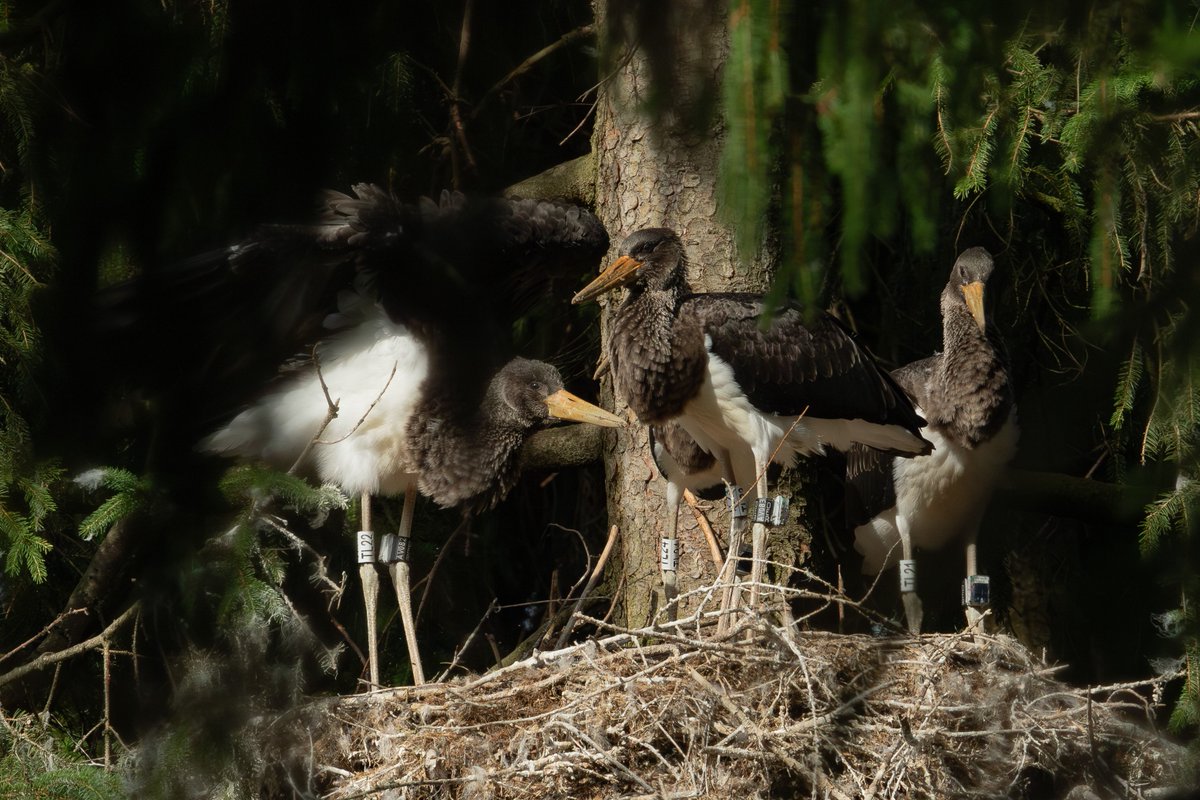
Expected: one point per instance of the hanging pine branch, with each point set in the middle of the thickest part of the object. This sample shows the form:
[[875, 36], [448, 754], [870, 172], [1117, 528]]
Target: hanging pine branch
[[754, 89], [1079, 121]]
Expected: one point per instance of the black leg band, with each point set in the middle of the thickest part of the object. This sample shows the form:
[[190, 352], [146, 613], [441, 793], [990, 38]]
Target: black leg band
[[393, 548]]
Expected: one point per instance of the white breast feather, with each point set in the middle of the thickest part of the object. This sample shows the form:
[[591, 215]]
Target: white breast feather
[[932, 493], [722, 416], [356, 365]]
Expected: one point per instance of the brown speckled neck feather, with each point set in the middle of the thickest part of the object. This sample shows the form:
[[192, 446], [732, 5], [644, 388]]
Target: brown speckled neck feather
[[469, 460], [964, 391]]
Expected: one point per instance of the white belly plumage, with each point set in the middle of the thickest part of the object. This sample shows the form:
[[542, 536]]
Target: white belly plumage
[[721, 418], [355, 364], [942, 495]]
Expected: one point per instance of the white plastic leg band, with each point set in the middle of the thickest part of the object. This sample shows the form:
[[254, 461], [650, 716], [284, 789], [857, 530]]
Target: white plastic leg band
[[668, 554], [779, 510], [394, 548], [977, 591], [908, 575], [366, 547]]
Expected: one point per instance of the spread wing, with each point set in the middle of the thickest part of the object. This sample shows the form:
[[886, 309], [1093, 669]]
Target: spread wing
[[452, 272], [789, 365], [214, 330]]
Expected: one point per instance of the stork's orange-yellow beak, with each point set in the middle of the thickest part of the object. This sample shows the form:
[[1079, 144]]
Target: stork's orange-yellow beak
[[973, 294], [617, 274], [564, 405]]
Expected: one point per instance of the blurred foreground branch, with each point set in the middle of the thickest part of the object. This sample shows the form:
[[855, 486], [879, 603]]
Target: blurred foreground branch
[[572, 181]]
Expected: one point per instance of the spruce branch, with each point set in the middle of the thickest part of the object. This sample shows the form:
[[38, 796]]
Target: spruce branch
[[50, 659]]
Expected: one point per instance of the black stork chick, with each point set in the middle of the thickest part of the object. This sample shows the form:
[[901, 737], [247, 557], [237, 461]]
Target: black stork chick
[[965, 394], [397, 430], [423, 403], [400, 429], [746, 393]]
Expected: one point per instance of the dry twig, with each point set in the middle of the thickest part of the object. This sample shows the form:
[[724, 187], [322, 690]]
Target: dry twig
[[672, 711], [49, 659]]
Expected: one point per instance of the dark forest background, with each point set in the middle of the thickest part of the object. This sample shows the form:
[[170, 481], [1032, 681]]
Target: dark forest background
[[868, 141]]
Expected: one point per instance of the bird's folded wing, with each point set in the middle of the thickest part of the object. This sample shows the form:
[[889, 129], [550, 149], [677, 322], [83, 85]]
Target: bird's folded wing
[[788, 364]]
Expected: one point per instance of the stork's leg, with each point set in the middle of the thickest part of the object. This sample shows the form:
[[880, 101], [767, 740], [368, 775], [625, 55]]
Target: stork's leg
[[401, 579], [370, 587], [669, 550], [728, 577], [908, 577], [737, 523], [975, 587], [759, 530]]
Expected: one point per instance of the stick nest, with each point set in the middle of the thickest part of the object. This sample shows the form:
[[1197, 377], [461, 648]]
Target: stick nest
[[763, 711]]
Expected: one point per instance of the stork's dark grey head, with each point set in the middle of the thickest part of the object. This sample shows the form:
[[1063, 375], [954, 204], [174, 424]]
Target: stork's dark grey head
[[968, 279], [652, 258], [532, 394], [972, 265], [650, 244], [524, 386]]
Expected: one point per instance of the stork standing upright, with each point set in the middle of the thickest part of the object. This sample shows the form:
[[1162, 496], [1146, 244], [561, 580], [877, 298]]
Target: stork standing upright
[[746, 390], [965, 394], [426, 399], [405, 433]]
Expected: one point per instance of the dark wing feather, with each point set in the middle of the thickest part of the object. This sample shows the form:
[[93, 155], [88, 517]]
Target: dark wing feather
[[870, 487], [459, 264], [870, 484], [445, 270], [793, 366], [914, 377], [681, 447], [671, 440], [461, 280], [216, 323]]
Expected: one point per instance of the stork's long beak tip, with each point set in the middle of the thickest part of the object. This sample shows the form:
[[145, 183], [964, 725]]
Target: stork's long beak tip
[[566, 406], [616, 274]]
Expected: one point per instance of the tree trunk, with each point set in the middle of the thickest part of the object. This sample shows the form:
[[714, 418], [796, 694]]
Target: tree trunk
[[657, 173]]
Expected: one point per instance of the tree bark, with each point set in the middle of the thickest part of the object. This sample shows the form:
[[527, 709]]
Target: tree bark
[[657, 173]]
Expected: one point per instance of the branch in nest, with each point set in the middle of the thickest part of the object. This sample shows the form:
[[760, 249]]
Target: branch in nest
[[558, 448], [1083, 499], [572, 181]]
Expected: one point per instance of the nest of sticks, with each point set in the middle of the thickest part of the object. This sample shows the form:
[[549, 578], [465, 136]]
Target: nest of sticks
[[760, 710]]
